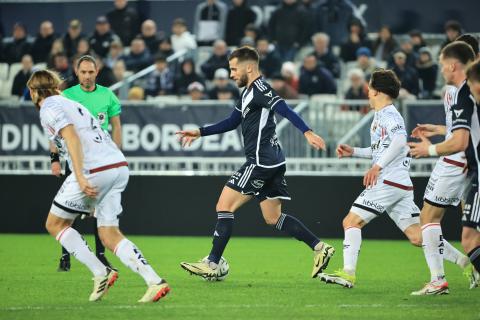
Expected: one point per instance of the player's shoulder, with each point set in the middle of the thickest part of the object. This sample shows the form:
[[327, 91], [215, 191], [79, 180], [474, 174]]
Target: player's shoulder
[[261, 86], [390, 112]]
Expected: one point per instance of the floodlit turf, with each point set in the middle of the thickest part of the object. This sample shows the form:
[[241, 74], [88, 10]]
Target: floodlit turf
[[269, 279]]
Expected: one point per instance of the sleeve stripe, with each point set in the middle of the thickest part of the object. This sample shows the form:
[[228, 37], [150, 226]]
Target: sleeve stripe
[[461, 127], [260, 85]]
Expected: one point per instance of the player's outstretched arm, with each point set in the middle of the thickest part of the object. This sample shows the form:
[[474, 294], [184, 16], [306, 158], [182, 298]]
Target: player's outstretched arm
[[457, 142], [428, 130], [76, 155]]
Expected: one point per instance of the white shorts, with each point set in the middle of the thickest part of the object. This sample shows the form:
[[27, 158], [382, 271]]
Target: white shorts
[[446, 185], [70, 201], [396, 202]]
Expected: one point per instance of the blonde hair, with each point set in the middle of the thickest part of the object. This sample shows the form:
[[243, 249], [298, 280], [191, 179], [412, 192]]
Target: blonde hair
[[45, 83]]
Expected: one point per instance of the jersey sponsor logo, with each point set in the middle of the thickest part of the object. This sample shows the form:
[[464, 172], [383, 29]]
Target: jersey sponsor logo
[[396, 128], [458, 112], [257, 183], [77, 205], [378, 207], [445, 200], [376, 145]]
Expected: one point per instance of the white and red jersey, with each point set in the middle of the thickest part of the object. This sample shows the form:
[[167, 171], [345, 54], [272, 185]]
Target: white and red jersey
[[99, 150], [387, 123], [449, 100]]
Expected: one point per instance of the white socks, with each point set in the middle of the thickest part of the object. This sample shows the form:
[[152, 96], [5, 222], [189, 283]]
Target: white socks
[[133, 258], [453, 255], [351, 249], [71, 240], [434, 249]]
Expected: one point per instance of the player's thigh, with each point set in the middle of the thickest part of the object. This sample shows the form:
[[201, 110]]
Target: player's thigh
[[109, 206], [371, 203], [271, 210], [230, 200], [405, 212], [55, 224]]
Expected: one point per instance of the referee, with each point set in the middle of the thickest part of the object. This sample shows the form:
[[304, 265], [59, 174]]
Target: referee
[[103, 105]]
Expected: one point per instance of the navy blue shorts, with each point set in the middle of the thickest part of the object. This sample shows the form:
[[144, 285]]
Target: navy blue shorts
[[263, 183], [471, 209]]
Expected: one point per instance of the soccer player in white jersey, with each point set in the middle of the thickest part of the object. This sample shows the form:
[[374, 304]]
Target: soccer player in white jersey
[[388, 185], [100, 176], [454, 59]]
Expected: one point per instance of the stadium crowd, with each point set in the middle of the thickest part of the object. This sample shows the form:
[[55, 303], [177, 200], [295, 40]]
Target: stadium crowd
[[311, 54]]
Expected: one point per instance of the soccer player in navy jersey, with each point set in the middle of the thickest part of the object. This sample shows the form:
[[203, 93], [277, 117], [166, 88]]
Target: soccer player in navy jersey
[[263, 174]]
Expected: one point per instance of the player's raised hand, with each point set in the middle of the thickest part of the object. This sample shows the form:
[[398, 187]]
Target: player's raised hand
[[56, 169], [344, 151], [427, 130], [315, 140], [186, 137], [420, 149], [86, 187], [371, 177]]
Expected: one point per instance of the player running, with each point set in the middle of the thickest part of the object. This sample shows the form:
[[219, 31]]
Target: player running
[[388, 185], [100, 174], [465, 129], [262, 176]]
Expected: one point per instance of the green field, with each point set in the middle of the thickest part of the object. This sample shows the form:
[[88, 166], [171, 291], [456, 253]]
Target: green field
[[269, 279]]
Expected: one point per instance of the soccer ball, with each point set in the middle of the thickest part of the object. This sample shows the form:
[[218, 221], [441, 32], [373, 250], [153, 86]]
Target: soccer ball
[[222, 270]]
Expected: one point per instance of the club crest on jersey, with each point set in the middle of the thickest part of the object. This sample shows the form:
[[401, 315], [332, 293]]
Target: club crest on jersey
[[269, 94], [101, 117], [257, 184], [458, 112]]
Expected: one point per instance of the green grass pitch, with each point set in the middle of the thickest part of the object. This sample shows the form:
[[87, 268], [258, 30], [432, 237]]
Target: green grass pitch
[[269, 279]]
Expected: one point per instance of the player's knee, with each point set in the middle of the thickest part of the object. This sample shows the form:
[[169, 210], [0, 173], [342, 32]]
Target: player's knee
[[348, 222]]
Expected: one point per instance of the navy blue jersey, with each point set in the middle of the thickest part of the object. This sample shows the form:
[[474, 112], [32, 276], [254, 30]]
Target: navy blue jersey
[[465, 115], [258, 124]]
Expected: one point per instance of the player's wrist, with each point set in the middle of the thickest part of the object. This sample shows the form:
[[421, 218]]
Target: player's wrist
[[432, 150], [54, 157]]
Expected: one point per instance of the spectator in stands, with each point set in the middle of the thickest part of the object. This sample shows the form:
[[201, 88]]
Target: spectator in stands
[[315, 79], [114, 54], [150, 36], [18, 45], [161, 81], [282, 88], [427, 73], [119, 72], [288, 29], [365, 62], [196, 91], [219, 59], [357, 38], [72, 37], [221, 82], [20, 81], [105, 76], [139, 56], [57, 47], [165, 47], [325, 58], [406, 47], [239, 16], [210, 21], [43, 42], [416, 38], [358, 87], [269, 62], [333, 18], [181, 38], [407, 75], [136, 94], [62, 67], [453, 30], [290, 74], [223, 94], [102, 37], [384, 45], [83, 48], [124, 21], [251, 32], [187, 76]]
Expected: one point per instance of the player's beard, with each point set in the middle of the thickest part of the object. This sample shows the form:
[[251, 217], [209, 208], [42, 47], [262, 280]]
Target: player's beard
[[243, 81]]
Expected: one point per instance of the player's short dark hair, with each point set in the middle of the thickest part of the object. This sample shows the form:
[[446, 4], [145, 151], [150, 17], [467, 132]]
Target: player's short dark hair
[[244, 53], [88, 58], [460, 51], [471, 40], [473, 71], [385, 81]]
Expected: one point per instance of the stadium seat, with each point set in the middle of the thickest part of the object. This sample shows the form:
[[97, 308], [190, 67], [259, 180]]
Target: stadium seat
[[14, 68], [3, 71]]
